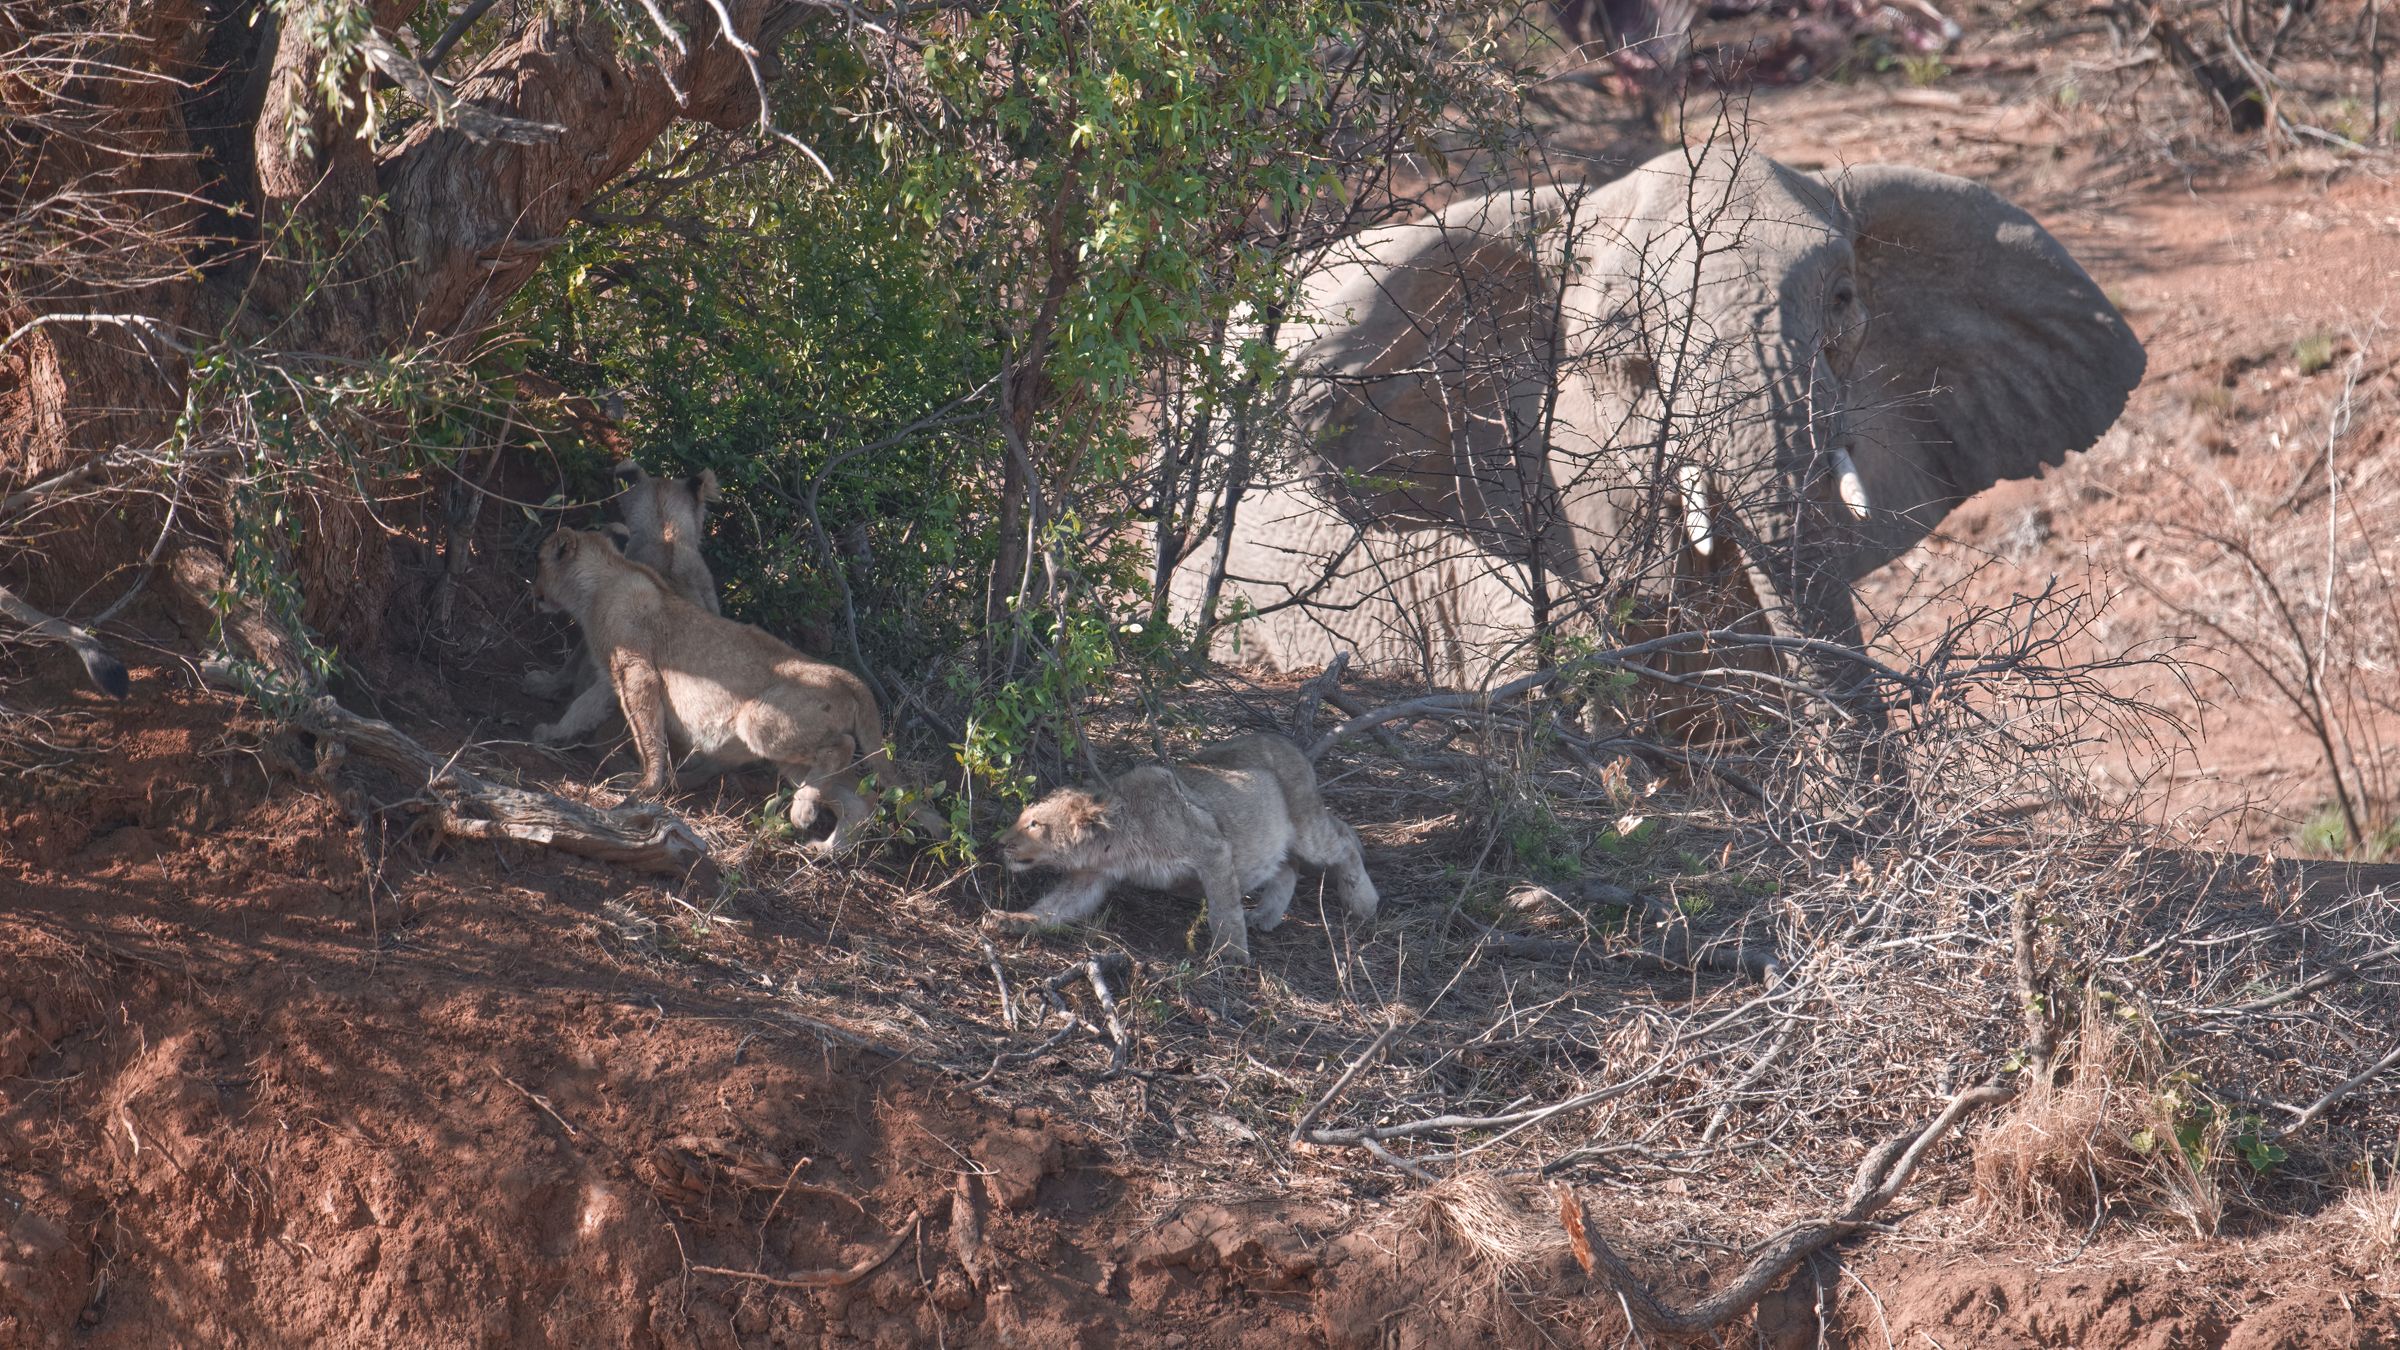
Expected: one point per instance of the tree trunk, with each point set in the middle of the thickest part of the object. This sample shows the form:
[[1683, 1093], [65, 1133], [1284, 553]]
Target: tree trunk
[[216, 226]]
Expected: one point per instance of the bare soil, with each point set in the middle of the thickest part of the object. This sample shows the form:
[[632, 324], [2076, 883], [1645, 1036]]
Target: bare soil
[[273, 1074]]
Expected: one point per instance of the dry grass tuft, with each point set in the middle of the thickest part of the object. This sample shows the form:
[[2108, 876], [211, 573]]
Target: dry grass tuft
[[2371, 1213], [2119, 1130], [1482, 1214], [2062, 1150]]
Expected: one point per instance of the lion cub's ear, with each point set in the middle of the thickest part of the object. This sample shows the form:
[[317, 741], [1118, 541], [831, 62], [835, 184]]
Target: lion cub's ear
[[704, 486], [561, 544], [1085, 813], [619, 534]]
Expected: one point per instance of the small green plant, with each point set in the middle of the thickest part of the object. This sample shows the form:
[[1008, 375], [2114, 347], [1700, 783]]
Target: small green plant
[[1758, 885], [2350, 120], [2256, 1149], [2180, 1119], [1540, 847], [1486, 902], [773, 819], [1921, 69], [2315, 352], [2326, 832], [1630, 837], [2200, 1130]]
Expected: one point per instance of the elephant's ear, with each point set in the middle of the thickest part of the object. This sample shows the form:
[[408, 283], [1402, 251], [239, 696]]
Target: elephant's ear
[[1988, 352], [1417, 359]]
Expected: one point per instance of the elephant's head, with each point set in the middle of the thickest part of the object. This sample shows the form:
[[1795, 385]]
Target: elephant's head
[[1716, 351]]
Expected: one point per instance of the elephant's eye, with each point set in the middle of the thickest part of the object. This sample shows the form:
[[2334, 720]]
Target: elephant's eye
[[1843, 293]]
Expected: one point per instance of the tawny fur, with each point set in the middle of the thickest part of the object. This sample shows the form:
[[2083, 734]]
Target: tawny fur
[[1236, 820], [722, 692], [664, 522]]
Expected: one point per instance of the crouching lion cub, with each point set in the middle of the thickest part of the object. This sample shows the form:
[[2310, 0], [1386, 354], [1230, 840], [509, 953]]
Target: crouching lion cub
[[1233, 821], [726, 692]]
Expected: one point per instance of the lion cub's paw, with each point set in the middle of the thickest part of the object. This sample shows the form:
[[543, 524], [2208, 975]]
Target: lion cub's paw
[[1019, 922], [547, 734]]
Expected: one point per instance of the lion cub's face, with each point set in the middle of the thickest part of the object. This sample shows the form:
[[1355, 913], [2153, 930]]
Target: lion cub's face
[[1053, 830]]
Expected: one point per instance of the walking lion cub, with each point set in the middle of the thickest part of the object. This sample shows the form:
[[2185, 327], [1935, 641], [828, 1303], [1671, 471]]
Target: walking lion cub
[[724, 692], [1232, 821]]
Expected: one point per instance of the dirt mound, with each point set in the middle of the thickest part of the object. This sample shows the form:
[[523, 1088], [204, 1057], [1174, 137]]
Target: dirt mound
[[2153, 1300], [256, 1088]]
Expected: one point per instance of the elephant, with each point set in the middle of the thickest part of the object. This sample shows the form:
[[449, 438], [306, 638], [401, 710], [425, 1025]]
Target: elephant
[[1717, 373]]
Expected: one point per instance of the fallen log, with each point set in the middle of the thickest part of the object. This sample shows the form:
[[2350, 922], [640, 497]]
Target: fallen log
[[641, 835]]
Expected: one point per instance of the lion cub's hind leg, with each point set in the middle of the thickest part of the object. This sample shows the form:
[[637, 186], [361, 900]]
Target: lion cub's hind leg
[[824, 771], [1274, 897], [1326, 843], [833, 792]]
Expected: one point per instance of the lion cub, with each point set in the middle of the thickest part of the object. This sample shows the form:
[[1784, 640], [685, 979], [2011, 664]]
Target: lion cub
[[667, 516], [1232, 821], [725, 692], [664, 520]]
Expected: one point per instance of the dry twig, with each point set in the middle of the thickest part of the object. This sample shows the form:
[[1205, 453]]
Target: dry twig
[[825, 1279]]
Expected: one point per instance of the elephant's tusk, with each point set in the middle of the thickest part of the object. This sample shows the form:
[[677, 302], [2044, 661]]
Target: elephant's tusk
[[1696, 521], [1853, 489]]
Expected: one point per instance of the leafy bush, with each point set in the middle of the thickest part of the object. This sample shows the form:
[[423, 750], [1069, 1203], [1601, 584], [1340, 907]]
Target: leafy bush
[[930, 385], [793, 328]]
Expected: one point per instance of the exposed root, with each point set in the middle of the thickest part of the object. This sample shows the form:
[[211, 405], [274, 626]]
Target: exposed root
[[823, 1279], [107, 673], [1099, 971]]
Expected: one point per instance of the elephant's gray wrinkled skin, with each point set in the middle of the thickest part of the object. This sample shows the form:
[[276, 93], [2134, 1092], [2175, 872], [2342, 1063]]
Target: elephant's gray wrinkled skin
[[1799, 375]]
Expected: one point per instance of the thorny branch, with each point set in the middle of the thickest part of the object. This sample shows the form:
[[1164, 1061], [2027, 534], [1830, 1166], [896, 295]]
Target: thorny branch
[[1880, 1179]]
